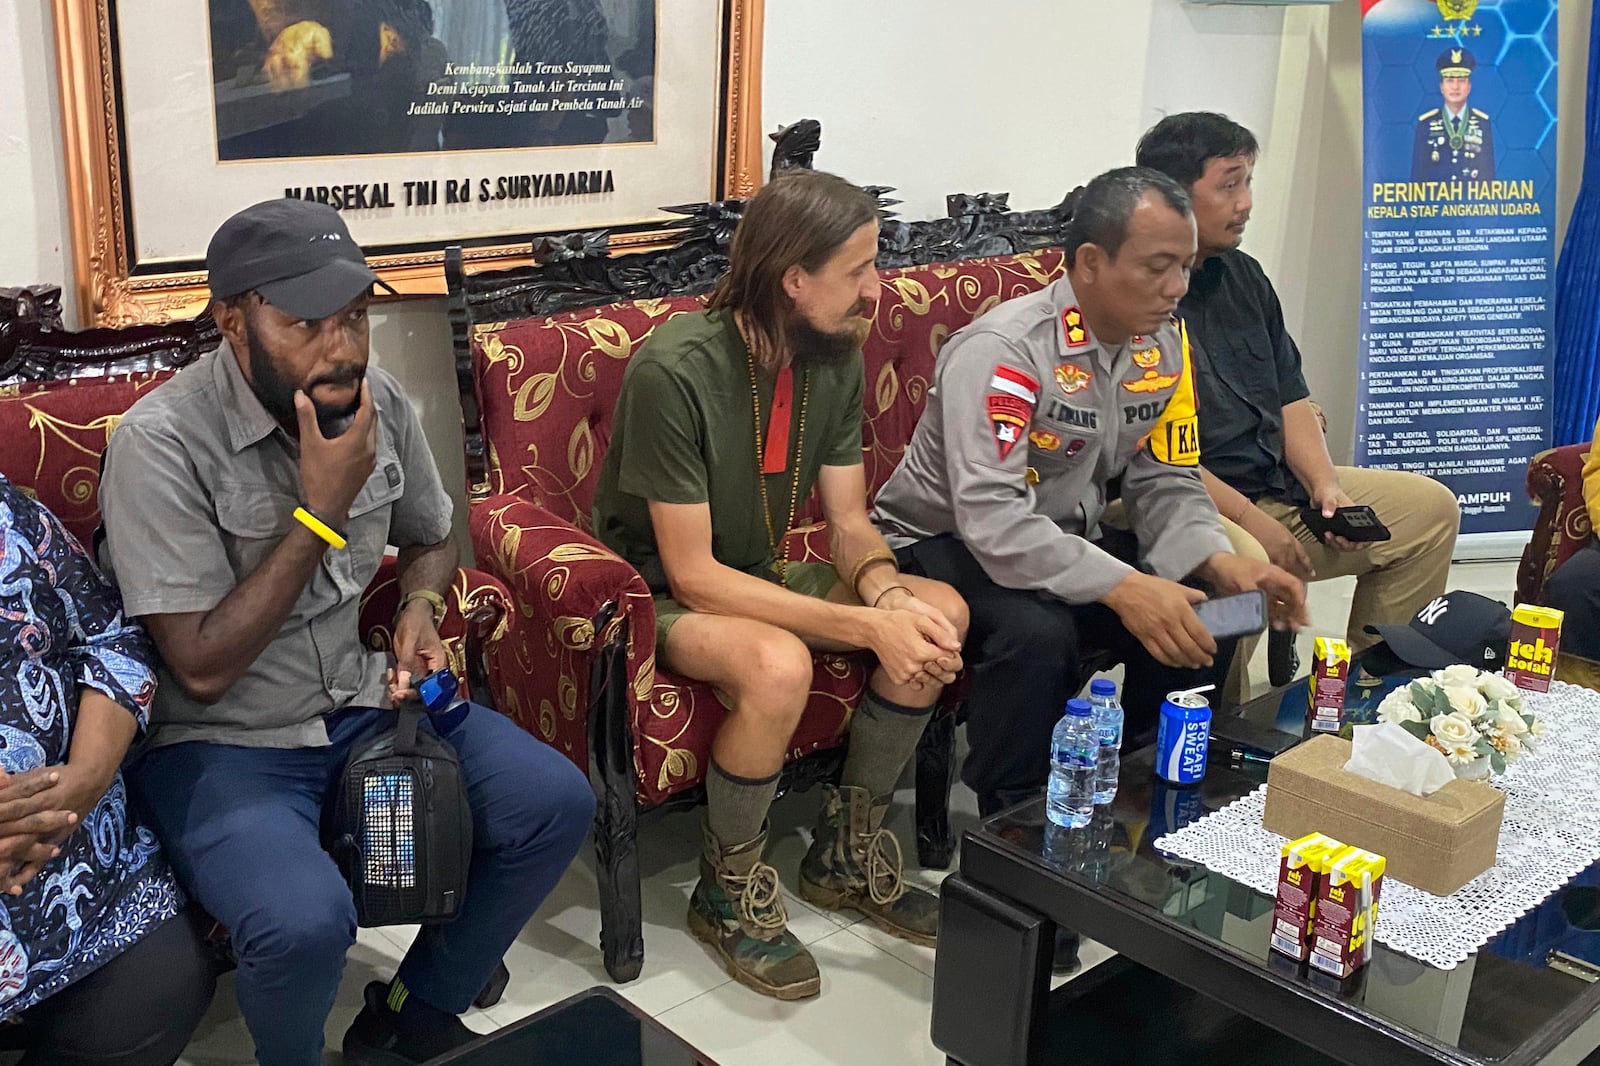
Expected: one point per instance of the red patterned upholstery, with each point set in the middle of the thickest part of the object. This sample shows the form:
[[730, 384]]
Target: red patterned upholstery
[[1555, 482], [54, 434], [546, 392], [548, 387], [918, 309]]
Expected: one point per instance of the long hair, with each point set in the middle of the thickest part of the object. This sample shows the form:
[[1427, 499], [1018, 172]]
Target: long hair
[[799, 219]]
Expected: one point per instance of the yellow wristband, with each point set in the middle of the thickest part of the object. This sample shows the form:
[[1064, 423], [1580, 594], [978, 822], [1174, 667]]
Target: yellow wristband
[[319, 527]]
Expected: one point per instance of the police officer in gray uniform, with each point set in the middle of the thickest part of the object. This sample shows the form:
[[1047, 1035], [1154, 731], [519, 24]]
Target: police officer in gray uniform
[[1036, 412], [1454, 142]]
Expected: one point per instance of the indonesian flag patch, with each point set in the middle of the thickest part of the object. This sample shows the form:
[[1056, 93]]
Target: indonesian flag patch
[[1014, 382], [1013, 394]]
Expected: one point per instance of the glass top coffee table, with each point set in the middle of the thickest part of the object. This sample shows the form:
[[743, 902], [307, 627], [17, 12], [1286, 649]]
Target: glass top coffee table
[[596, 1027], [1195, 982]]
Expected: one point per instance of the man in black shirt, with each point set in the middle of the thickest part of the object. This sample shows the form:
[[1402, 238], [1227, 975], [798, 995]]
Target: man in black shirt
[[1263, 452]]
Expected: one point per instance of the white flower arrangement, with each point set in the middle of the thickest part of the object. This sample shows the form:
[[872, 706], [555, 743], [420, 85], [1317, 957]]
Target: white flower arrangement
[[1477, 719]]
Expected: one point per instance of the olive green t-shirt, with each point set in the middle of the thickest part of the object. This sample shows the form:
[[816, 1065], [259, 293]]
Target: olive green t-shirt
[[684, 432]]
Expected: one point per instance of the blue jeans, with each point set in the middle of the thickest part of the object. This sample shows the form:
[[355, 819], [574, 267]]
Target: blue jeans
[[241, 828]]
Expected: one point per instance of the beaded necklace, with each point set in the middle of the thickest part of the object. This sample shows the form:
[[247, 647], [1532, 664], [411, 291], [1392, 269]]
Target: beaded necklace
[[799, 461]]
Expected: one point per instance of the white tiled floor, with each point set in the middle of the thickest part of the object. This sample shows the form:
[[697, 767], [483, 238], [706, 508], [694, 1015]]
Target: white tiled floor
[[876, 990]]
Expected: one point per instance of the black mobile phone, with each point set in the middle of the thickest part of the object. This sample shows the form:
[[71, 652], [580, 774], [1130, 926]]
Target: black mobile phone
[[1359, 524], [1234, 616], [1242, 733]]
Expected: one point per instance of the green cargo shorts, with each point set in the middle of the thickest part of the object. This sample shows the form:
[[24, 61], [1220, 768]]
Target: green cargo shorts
[[808, 579]]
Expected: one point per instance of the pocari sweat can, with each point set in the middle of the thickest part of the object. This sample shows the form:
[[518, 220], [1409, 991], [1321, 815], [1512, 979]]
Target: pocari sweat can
[[1182, 737]]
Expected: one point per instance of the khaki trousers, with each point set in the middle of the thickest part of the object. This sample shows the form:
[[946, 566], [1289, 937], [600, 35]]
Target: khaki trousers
[[1395, 578], [1236, 690]]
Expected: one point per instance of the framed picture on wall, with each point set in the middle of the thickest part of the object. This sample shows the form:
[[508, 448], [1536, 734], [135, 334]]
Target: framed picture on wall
[[424, 122]]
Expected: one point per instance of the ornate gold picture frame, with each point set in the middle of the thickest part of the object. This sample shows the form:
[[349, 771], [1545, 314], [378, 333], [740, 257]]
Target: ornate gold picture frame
[[150, 102]]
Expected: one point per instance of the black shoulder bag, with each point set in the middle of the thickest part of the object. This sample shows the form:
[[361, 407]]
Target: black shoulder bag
[[399, 827]]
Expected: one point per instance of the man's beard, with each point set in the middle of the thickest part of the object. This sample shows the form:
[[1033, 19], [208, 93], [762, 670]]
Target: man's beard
[[811, 345], [276, 392]]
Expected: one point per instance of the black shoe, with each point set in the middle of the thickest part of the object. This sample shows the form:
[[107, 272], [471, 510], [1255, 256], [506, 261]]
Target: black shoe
[[375, 1039], [491, 992], [1066, 961], [1283, 658]]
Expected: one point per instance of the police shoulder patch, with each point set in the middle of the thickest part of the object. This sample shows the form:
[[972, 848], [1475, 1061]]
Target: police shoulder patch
[[1426, 115], [1074, 331]]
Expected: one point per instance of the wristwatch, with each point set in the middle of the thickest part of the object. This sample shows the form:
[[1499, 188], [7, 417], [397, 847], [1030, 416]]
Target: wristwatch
[[435, 601]]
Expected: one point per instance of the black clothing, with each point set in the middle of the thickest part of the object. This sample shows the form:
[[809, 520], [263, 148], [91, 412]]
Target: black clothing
[[1247, 368], [1029, 653], [139, 1009], [1575, 589]]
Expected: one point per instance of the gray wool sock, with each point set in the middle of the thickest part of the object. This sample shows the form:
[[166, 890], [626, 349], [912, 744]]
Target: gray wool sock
[[736, 807], [883, 737]]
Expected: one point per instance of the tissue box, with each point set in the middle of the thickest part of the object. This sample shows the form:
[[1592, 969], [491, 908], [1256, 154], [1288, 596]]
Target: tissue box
[[1436, 843]]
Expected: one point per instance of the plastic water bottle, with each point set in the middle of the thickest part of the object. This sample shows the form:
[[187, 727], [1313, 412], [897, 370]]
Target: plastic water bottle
[[1072, 767], [1108, 724]]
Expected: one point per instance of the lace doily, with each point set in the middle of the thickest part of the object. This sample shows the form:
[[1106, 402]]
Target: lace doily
[[1550, 834]]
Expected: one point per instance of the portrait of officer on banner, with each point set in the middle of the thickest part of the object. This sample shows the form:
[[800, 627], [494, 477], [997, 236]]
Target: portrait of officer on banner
[[1454, 142]]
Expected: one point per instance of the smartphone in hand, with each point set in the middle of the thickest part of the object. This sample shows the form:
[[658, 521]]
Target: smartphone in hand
[[437, 690], [1358, 524], [1234, 616]]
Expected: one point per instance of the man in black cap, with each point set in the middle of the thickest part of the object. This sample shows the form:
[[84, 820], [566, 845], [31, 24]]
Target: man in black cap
[[247, 504], [1454, 142]]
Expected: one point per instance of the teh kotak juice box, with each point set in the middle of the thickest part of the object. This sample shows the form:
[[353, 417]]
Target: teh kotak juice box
[[1347, 908], [1330, 672], [1535, 643], [1299, 881]]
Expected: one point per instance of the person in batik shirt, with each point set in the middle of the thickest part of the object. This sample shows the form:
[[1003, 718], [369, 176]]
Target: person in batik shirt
[[99, 960]]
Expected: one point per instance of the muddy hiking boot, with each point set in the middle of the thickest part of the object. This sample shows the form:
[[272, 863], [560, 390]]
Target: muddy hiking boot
[[854, 863], [737, 908]]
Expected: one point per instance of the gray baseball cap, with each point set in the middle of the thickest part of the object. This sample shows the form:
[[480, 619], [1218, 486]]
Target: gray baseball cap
[[297, 254]]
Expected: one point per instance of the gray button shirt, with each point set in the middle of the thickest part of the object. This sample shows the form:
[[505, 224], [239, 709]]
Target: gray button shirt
[[1029, 418], [199, 486]]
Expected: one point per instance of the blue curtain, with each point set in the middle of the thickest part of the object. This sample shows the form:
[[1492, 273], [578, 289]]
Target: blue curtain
[[1577, 340]]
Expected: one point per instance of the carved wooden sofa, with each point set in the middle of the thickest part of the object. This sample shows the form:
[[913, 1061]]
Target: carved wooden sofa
[[61, 396], [1555, 483], [540, 356]]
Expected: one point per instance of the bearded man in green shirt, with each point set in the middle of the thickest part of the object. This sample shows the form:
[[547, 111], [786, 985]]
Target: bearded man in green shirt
[[726, 420]]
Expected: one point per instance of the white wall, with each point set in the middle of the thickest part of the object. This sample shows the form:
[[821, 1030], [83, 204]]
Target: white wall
[[33, 222], [1031, 97]]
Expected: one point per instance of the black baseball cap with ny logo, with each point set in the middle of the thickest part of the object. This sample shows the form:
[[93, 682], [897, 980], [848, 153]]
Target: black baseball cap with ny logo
[[1458, 627], [297, 254]]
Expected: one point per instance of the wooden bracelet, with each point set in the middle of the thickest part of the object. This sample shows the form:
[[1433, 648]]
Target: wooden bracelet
[[879, 598], [881, 555]]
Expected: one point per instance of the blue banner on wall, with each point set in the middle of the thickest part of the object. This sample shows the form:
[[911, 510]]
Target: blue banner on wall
[[1458, 261]]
